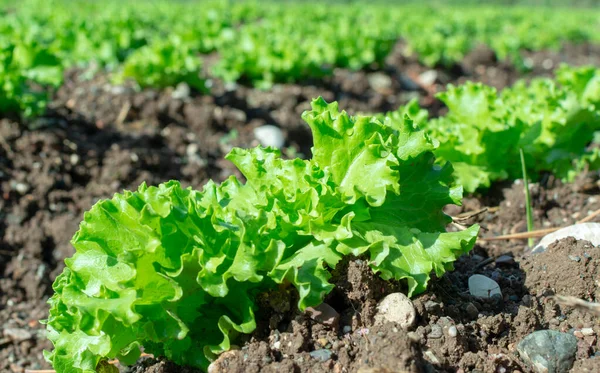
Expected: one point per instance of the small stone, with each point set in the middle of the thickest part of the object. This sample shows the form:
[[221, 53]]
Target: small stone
[[431, 357], [432, 307], [452, 331], [21, 188], [117, 90], [230, 86], [346, 329], [16, 334], [587, 331], [323, 341], [74, 159], [505, 260], [221, 365], [191, 149], [547, 64], [413, 336], [408, 84], [575, 258], [477, 258], [578, 334], [483, 287], [428, 77], [548, 351], [324, 314], [379, 82], [436, 332], [322, 354], [181, 92], [397, 308], [472, 311], [276, 345], [269, 135], [445, 322], [526, 300]]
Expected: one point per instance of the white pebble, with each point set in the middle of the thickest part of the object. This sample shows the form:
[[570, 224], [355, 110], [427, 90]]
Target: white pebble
[[428, 77], [452, 331], [398, 308], [22, 188], [583, 231], [587, 331], [547, 64], [269, 135]]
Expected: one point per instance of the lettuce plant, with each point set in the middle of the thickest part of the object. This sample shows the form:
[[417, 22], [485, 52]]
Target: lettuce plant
[[177, 270], [163, 64], [552, 121]]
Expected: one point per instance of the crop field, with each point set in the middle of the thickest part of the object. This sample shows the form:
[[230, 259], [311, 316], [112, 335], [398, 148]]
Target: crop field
[[299, 186]]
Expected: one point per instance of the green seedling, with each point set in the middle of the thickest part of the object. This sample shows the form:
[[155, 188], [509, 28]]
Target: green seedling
[[528, 207]]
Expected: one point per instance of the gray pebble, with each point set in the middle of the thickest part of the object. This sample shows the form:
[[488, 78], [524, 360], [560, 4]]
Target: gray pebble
[[379, 81], [432, 306], [16, 334], [436, 332], [505, 259], [321, 354], [575, 258], [484, 287], [477, 258], [548, 351]]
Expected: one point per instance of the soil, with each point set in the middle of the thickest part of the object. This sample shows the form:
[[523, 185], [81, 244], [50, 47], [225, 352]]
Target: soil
[[98, 139]]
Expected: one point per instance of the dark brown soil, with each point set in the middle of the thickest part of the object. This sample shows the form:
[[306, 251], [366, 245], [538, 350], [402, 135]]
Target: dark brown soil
[[98, 139]]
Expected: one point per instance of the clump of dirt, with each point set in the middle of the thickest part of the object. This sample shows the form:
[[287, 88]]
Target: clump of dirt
[[567, 266], [383, 348]]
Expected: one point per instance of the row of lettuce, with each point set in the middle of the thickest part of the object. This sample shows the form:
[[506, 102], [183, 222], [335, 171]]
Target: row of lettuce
[[161, 44], [554, 121]]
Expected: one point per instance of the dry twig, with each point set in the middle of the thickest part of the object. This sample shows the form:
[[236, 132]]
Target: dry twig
[[123, 113], [537, 233], [567, 300], [589, 217], [468, 215]]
